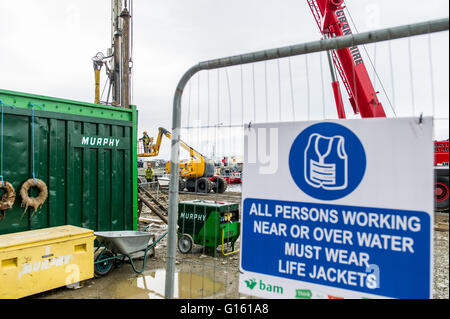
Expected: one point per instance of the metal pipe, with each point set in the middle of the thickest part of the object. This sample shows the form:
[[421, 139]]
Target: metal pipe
[[125, 83], [330, 62], [282, 52], [97, 86], [115, 72]]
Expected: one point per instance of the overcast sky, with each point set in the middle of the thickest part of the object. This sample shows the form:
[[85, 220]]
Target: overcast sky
[[47, 45]]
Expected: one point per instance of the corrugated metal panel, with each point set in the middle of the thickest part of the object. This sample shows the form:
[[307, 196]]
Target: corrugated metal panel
[[91, 185]]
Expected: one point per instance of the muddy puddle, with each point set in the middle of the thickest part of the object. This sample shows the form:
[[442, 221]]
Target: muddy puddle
[[151, 285], [148, 285]]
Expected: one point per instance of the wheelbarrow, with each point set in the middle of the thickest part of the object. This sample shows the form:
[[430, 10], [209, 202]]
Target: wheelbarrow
[[119, 245]]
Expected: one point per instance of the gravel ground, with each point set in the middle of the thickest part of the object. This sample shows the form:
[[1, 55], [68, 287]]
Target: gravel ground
[[441, 263]]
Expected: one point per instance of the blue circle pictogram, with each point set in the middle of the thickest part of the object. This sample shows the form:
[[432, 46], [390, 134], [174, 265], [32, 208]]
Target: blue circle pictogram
[[327, 161]]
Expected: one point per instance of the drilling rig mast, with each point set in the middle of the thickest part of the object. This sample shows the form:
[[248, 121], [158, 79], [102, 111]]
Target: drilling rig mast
[[118, 61]]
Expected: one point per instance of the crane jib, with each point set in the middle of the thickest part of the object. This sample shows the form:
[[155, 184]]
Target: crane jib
[[345, 28]]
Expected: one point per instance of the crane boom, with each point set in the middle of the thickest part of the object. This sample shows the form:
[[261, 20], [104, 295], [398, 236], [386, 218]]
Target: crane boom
[[332, 22]]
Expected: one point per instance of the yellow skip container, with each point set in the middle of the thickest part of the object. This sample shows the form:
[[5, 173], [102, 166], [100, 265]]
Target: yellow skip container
[[39, 260]]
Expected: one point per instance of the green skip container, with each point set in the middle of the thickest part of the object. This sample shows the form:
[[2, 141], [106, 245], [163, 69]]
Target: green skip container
[[207, 223], [85, 154]]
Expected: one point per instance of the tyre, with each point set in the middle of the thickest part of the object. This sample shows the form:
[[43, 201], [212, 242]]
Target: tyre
[[220, 185], [208, 182], [189, 184], [185, 243], [202, 185], [104, 267], [441, 192]]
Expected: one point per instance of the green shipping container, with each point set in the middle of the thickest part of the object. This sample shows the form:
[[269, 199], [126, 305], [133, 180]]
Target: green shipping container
[[85, 153]]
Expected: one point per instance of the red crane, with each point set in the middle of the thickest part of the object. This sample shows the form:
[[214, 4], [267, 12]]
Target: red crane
[[332, 22]]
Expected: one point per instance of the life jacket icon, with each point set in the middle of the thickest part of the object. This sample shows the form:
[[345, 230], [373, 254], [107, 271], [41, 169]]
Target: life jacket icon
[[326, 162]]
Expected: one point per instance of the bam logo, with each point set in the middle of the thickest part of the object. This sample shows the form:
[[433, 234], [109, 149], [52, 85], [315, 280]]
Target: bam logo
[[252, 283], [270, 288]]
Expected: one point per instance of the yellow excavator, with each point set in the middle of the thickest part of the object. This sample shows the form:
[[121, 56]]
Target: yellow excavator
[[196, 174]]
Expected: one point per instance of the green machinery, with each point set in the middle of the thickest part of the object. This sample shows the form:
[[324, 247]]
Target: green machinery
[[209, 224]]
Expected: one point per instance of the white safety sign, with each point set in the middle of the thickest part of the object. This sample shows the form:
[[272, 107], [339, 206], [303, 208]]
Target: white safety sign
[[338, 209]]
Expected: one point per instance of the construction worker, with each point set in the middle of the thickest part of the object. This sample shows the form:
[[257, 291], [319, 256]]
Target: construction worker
[[149, 173], [146, 141]]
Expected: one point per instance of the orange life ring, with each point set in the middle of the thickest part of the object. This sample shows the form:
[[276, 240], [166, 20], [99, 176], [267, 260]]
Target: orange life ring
[[35, 202], [8, 198]]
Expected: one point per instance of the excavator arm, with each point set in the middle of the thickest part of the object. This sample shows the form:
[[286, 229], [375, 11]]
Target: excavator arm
[[155, 147], [193, 168]]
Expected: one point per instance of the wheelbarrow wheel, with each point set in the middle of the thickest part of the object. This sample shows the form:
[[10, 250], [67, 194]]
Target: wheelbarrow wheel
[[104, 267], [185, 243]]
